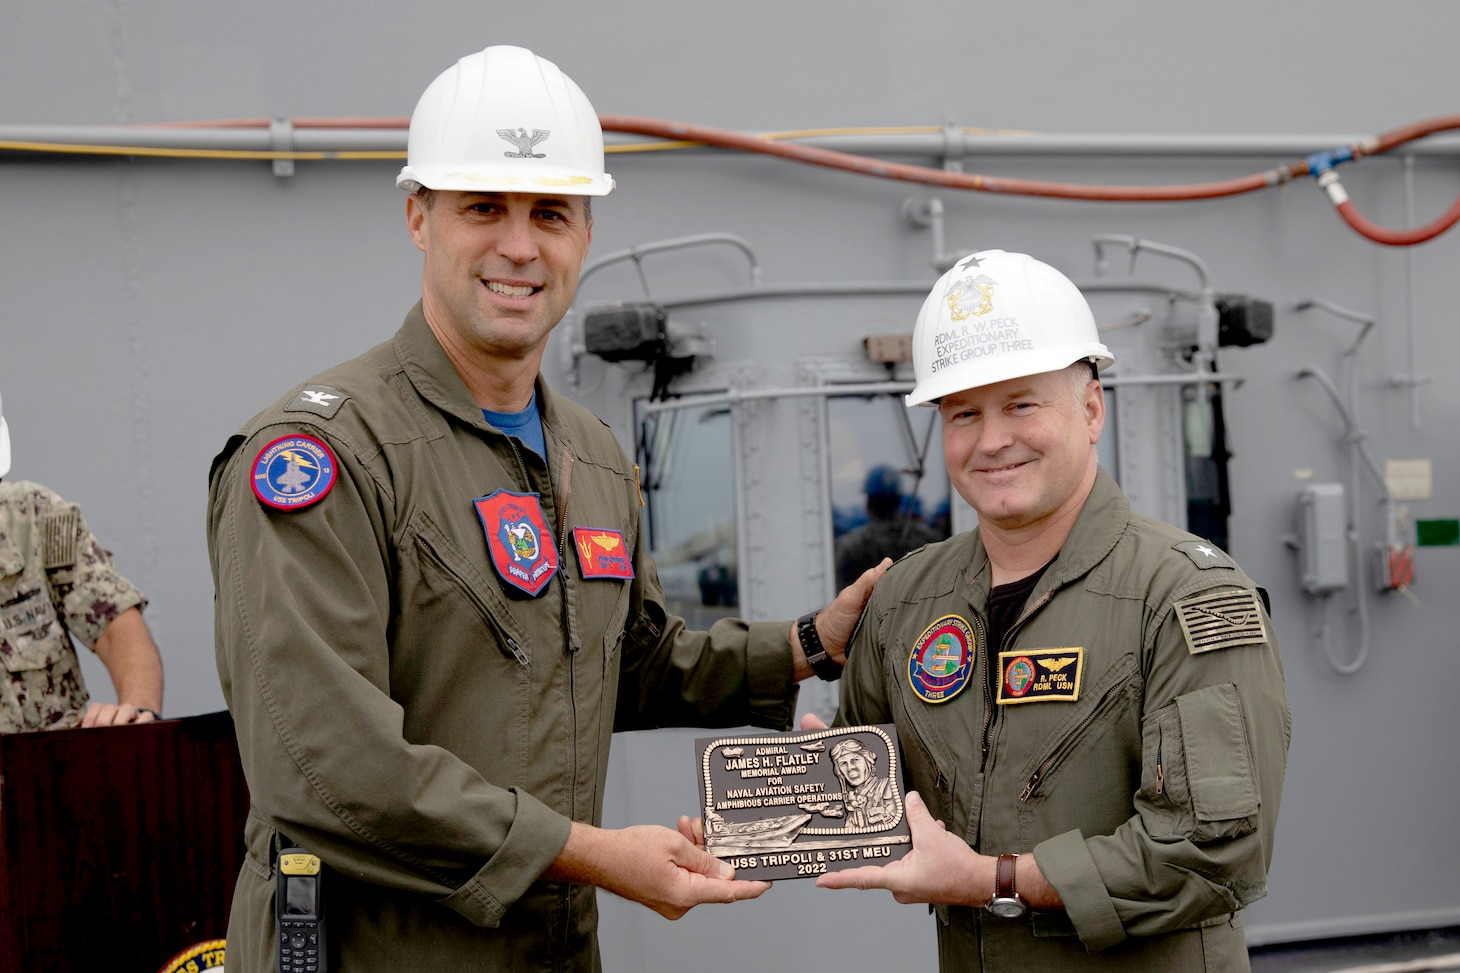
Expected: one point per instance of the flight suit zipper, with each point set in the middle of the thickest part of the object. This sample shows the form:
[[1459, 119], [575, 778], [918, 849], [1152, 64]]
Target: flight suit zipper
[[565, 487], [512, 645], [988, 695], [1160, 773], [1067, 744], [567, 496], [988, 701], [521, 465]]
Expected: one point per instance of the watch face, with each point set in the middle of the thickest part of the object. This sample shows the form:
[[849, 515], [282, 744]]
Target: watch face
[[1006, 908]]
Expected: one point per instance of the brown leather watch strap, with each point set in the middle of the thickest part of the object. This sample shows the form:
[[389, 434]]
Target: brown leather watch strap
[[1004, 877]]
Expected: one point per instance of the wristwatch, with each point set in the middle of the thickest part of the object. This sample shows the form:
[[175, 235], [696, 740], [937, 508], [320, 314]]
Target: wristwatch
[[823, 664], [1006, 903]]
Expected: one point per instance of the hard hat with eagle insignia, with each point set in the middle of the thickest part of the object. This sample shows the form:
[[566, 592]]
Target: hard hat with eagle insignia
[[995, 316], [504, 120]]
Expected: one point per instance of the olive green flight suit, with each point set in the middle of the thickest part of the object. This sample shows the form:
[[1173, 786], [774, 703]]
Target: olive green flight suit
[[1149, 800], [426, 729]]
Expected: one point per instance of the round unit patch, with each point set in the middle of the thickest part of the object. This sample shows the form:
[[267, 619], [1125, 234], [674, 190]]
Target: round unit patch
[[942, 661], [1019, 675], [293, 472]]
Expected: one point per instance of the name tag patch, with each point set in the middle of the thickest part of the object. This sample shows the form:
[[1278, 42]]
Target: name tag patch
[[601, 553], [293, 472], [1221, 620], [1040, 675], [942, 660], [518, 539], [29, 614]]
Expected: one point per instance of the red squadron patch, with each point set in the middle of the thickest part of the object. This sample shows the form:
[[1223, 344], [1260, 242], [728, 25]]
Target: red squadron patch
[[601, 553], [518, 539]]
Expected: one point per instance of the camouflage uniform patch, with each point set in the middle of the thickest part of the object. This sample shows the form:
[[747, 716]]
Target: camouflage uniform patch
[[1221, 620], [56, 580]]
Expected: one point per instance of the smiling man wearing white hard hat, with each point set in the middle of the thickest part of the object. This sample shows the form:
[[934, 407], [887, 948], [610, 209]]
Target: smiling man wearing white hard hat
[[434, 605], [1090, 702]]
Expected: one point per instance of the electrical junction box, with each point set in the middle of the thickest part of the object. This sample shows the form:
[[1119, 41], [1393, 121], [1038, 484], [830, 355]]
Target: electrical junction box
[[1322, 544]]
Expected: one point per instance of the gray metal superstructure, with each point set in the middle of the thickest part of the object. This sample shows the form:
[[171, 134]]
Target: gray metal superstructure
[[155, 301]]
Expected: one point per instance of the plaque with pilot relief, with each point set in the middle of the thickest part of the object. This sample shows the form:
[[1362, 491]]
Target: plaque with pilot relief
[[797, 805]]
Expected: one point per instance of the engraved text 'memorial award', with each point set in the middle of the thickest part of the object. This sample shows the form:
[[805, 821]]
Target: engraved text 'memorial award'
[[795, 805]]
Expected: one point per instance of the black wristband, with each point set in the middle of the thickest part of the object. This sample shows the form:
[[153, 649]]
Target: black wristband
[[823, 664], [144, 709]]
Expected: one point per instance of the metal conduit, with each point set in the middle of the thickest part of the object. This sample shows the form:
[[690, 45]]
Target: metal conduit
[[315, 139], [951, 145], [1230, 146]]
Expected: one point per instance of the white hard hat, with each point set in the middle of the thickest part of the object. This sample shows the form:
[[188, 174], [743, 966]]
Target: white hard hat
[[4, 444], [505, 121], [995, 316]]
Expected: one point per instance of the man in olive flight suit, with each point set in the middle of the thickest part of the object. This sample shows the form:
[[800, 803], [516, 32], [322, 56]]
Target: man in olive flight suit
[[1090, 702], [434, 606]]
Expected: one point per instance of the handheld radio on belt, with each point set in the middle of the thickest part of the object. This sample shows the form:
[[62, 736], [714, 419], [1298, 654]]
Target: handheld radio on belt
[[299, 912]]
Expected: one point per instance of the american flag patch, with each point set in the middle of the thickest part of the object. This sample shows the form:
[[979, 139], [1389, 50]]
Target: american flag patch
[[58, 537], [1221, 620]]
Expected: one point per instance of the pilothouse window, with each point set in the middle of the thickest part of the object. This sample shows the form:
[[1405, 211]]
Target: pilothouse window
[[687, 474], [889, 487]]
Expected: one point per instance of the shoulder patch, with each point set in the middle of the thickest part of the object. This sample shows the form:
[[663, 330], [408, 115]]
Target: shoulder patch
[[1205, 555], [322, 400], [1221, 620], [58, 537], [293, 472]]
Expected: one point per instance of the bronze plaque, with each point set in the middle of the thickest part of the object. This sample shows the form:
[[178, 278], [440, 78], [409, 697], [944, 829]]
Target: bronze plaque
[[795, 805]]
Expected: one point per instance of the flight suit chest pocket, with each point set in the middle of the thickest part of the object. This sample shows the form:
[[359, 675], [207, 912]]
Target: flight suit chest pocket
[[31, 636], [442, 562], [614, 634], [1199, 780]]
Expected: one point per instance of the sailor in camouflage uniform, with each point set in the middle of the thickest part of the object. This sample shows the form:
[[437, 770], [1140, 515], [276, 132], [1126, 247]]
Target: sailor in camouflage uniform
[[56, 580]]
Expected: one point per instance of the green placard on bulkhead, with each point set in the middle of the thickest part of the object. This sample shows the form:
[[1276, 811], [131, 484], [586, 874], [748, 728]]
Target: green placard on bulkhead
[[1437, 533]]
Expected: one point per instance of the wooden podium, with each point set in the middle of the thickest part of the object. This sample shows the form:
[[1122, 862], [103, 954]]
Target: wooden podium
[[119, 847]]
